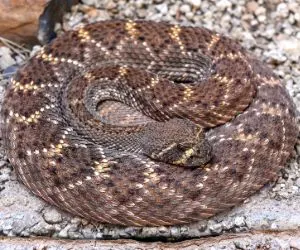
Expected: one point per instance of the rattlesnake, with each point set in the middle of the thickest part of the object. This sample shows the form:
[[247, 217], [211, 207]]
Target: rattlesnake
[[145, 123]]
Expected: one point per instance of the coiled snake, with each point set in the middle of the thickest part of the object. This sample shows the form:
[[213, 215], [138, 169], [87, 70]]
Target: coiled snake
[[144, 123]]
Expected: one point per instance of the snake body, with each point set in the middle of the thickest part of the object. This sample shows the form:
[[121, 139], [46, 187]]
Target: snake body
[[145, 123]]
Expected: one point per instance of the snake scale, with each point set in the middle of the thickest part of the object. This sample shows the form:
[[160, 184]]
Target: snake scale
[[146, 123]]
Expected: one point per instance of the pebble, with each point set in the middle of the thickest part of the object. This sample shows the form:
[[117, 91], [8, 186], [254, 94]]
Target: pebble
[[291, 47], [52, 216], [185, 8], [297, 17], [270, 32], [295, 243], [274, 226], [3, 163], [275, 56], [163, 229], [261, 18], [132, 231], [175, 232], [223, 4], [243, 245], [6, 59], [4, 177], [9, 71], [227, 225], [298, 182], [64, 232], [162, 8], [260, 11], [90, 2], [252, 6], [142, 13], [88, 232], [239, 221], [216, 228], [195, 3], [282, 10]]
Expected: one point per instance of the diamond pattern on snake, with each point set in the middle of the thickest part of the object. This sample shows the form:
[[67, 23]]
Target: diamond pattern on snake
[[146, 123]]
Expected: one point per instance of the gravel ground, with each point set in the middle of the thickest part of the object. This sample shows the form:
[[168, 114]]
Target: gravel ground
[[257, 241], [270, 29]]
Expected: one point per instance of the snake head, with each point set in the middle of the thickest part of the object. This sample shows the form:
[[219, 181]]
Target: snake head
[[178, 142], [192, 154]]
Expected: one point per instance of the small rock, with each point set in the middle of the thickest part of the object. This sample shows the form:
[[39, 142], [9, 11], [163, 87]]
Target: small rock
[[185, 8], [90, 2], [298, 182], [239, 221], [254, 22], [291, 19], [283, 194], [270, 32], [5, 58], [297, 17], [252, 6], [184, 230], [261, 18], [111, 5], [149, 231], [74, 235], [132, 231], [9, 71], [275, 56], [294, 190], [216, 228], [129, 12], [52, 216], [189, 15], [274, 226], [64, 232], [163, 229], [174, 232], [102, 15], [260, 11], [76, 221], [99, 235], [249, 40], [227, 225], [4, 177], [293, 6], [291, 47], [162, 8], [282, 10], [295, 243], [42, 228], [88, 232], [223, 4], [7, 201], [75, 19], [19, 225], [142, 13], [195, 3], [3, 163], [35, 49]]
